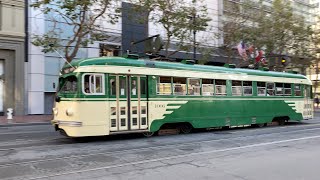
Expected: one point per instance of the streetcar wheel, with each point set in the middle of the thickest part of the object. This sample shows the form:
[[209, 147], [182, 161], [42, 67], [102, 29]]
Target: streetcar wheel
[[281, 122], [260, 125], [148, 134], [185, 128]]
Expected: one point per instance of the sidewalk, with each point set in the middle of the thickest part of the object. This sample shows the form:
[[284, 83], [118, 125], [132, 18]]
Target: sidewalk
[[26, 120]]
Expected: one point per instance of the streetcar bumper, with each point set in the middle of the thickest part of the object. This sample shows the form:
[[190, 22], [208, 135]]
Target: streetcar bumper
[[67, 123]]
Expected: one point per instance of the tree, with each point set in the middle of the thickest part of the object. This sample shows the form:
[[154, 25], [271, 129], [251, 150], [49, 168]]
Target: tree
[[79, 15], [179, 20], [277, 30]]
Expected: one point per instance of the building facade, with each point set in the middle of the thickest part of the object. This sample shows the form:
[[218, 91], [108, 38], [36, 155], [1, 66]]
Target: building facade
[[43, 68], [12, 57]]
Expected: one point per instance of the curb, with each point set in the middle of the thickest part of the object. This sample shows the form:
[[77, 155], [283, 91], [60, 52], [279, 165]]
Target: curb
[[25, 124]]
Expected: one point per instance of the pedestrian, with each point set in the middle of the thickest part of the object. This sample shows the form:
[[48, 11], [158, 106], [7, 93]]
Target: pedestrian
[[316, 100]]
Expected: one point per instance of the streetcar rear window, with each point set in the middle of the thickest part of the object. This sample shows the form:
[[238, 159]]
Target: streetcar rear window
[[297, 90]]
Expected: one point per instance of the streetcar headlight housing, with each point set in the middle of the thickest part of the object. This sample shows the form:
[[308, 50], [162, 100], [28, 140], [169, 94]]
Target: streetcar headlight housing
[[69, 112], [55, 111]]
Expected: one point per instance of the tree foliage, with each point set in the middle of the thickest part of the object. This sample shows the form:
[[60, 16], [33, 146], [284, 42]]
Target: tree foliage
[[80, 16], [179, 19], [275, 29]]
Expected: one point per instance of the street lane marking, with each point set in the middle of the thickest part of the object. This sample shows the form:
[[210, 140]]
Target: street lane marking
[[144, 148], [27, 132], [178, 156]]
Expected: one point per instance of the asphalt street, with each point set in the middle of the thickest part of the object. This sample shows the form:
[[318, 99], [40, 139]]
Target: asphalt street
[[276, 152]]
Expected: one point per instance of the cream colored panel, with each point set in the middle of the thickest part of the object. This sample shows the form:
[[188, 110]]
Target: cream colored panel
[[158, 109], [123, 116], [93, 115], [135, 121], [114, 124], [143, 115]]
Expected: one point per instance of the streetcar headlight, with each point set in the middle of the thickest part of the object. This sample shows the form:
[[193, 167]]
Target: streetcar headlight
[[69, 112], [55, 111]]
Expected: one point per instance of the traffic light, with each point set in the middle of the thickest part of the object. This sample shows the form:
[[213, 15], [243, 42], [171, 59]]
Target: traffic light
[[283, 61]]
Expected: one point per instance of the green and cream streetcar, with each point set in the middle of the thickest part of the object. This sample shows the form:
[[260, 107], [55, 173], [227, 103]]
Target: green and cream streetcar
[[112, 95]]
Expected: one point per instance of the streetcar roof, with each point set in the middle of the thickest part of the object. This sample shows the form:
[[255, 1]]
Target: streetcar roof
[[120, 61]]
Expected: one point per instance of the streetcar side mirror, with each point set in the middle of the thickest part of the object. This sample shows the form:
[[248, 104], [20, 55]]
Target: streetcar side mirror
[[58, 99]]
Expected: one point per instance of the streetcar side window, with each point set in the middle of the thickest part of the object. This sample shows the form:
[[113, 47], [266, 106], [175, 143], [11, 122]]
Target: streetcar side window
[[261, 87], [270, 89], [143, 86], [279, 89], [93, 84], [307, 90], [179, 86], [297, 90], [164, 86], [207, 87], [287, 89], [220, 87], [194, 87], [236, 88], [247, 88], [112, 87]]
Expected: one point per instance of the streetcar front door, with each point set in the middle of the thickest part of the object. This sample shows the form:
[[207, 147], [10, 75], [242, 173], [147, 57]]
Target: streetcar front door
[[128, 103]]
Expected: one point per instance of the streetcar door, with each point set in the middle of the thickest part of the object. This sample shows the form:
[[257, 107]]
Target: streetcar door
[[138, 103], [128, 102], [118, 103]]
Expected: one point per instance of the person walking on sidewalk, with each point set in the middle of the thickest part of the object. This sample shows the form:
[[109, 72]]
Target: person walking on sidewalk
[[316, 100]]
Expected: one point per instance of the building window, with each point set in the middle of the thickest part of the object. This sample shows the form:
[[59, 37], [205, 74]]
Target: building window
[[109, 50]]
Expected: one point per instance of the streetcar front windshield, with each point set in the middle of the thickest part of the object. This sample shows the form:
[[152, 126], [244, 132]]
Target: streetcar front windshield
[[69, 85]]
